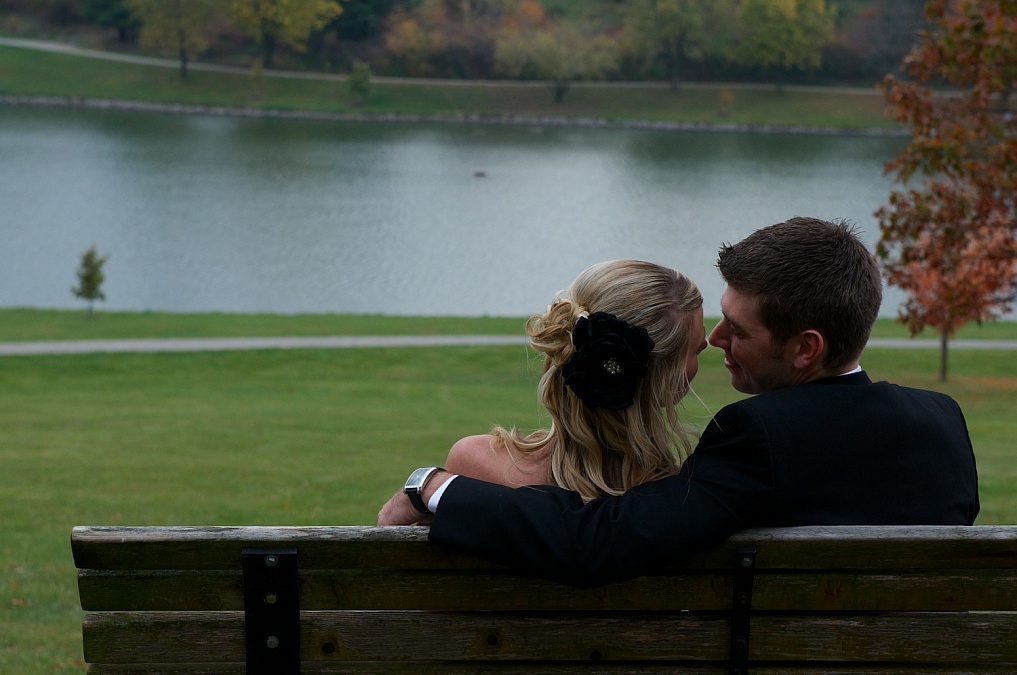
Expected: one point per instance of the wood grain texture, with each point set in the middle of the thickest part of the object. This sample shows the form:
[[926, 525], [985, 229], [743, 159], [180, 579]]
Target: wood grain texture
[[384, 600], [859, 547]]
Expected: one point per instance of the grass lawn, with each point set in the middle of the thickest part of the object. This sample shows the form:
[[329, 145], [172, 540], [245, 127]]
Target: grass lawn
[[21, 324], [46, 324], [28, 72], [296, 436]]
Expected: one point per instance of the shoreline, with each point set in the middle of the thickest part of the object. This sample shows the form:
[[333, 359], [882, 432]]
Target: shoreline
[[504, 120]]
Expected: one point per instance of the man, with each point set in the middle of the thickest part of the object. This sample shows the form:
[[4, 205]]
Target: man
[[819, 444]]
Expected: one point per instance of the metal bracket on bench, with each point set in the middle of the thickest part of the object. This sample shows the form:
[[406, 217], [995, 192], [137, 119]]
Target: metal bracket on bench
[[271, 611], [741, 608]]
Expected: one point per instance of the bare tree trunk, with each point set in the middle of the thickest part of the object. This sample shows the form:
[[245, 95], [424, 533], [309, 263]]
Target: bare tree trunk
[[672, 63], [268, 44], [560, 88], [182, 45], [181, 39], [943, 342]]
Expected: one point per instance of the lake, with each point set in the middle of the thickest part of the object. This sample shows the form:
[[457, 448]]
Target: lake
[[206, 213]]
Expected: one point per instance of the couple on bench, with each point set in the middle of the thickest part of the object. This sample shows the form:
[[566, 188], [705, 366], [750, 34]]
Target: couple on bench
[[614, 489]]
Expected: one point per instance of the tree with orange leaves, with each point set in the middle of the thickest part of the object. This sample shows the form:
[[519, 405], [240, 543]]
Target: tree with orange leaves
[[949, 235]]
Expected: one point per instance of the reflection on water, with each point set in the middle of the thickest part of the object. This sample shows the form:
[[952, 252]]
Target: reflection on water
[[210, 213]]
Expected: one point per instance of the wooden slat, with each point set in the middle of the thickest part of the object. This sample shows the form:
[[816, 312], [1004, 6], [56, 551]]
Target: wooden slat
[[233, 668], [168, 590], [373, 547], [903, 637], [175, 637], [445, 668], [921, 638], [170, 637], [485, 636], [922, 590], [883, 669], [161, 590], [883, 547], [553, 668], [220, 547]]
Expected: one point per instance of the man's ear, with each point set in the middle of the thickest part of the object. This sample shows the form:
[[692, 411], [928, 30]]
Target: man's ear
[[810, 350]]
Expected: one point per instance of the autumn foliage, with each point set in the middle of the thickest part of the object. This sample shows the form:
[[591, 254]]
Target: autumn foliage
[[948, 235], [282, 22]]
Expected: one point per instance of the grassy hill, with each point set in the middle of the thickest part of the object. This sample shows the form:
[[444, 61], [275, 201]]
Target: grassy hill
[[28, 72]]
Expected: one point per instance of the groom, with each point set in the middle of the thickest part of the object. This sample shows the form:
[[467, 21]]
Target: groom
[[819, 444]]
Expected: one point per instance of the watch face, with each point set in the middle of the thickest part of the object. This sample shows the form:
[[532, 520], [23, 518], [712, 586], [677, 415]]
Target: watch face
[[417, 478], [413, 487]]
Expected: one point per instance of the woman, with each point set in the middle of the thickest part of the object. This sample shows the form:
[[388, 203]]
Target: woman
[[620, 347]]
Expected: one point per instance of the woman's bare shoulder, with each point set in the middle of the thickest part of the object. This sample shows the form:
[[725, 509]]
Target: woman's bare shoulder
[[485, 457]]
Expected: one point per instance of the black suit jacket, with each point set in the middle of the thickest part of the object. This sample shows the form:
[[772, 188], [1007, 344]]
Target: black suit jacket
[[837, 451]]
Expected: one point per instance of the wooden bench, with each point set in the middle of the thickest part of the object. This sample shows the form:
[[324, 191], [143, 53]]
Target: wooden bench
[[384, 600]]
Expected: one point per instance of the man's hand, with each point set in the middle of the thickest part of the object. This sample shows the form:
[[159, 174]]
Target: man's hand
[[399, 511]]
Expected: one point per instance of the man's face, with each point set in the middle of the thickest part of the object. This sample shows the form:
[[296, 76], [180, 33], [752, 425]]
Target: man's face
[[755, 362]]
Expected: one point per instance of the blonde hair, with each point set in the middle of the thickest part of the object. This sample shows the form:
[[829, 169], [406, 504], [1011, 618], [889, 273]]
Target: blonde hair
[[599, 452]]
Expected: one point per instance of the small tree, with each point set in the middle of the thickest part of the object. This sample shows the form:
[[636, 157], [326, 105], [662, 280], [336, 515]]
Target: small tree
[[783, 35], [90, 278], [111, 14], [672, 30], [182, 25], [950, 239], [359, 82], [271, 23], [560, 54]]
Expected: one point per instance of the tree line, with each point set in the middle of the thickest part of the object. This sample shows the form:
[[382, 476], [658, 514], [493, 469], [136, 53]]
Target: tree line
[[554, 40]]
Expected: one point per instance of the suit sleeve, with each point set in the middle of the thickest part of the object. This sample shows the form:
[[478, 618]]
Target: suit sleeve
[[550, 532]]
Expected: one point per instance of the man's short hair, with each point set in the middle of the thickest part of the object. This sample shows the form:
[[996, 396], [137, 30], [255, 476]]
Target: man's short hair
[[806, 274]]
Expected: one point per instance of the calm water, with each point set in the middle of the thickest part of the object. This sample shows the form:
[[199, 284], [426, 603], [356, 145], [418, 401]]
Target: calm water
[[220, 214]]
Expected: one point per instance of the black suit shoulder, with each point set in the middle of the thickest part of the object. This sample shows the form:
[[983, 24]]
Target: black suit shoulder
[[845, 450]]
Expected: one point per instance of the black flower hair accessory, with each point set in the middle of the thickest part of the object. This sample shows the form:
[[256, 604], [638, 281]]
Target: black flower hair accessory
[[610, 359]]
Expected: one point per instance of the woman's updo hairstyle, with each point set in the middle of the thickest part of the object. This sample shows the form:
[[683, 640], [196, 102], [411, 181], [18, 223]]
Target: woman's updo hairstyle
[[551, 332], [599, 451]]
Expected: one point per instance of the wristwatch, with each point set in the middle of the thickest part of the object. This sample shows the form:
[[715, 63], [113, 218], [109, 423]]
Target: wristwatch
[[415, 486]]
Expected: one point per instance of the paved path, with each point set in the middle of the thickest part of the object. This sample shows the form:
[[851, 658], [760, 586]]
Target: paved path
[[905, 343], [354, 341]]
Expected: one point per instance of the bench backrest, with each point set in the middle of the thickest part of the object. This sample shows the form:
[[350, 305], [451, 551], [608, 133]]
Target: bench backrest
[[384, 600]]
